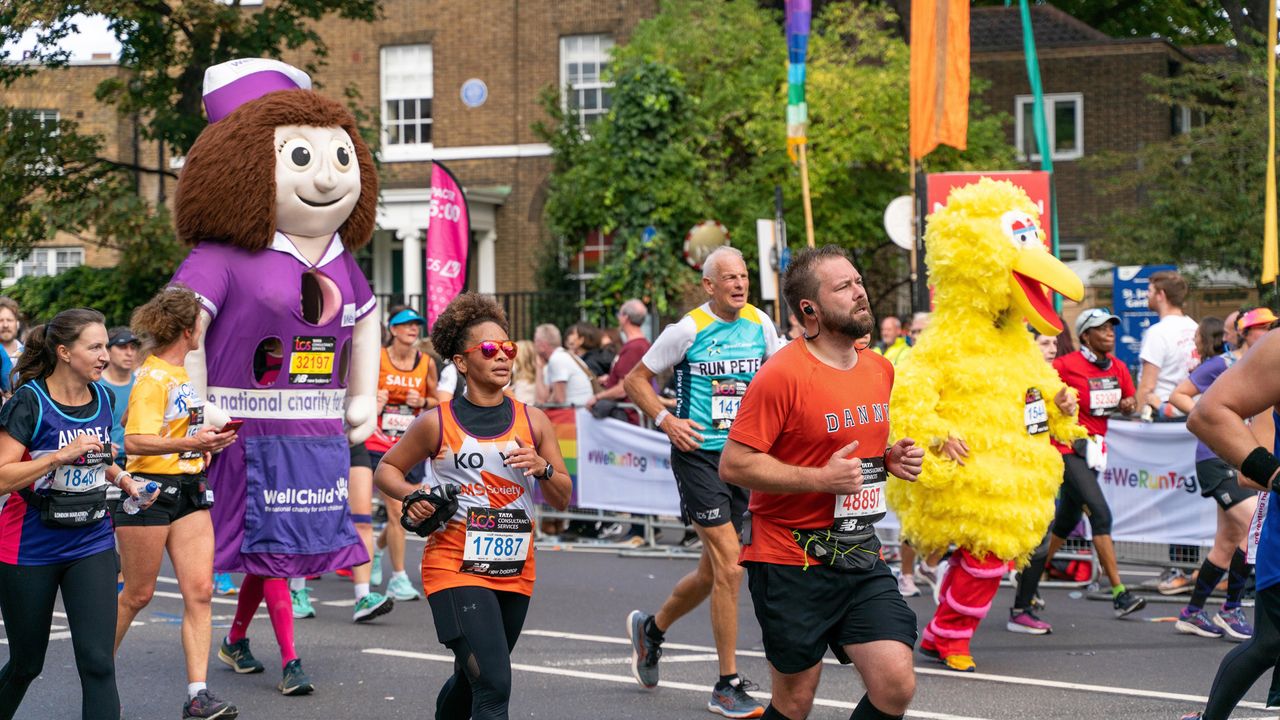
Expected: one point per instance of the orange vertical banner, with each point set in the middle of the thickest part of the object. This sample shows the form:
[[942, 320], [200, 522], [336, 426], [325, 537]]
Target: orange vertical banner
[[939, 75]]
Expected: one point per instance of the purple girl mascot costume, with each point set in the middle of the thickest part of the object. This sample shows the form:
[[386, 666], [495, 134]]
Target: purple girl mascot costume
[[274, 195]]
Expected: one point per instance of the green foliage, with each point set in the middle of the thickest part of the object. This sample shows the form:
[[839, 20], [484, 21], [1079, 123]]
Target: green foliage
[[169, 44], [1189, 22], [1199, 197], [702, 135]]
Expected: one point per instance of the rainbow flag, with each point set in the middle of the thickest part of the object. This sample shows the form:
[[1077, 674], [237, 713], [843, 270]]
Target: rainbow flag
[[799, 18], [566, 426]]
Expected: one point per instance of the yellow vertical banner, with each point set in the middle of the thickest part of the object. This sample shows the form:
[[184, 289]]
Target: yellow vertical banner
[[1269, 257]]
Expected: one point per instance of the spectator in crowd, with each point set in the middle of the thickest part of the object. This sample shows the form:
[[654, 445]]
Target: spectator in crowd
[[1168, 347], [892, 343], [10, 325], [1219, 481], [562, 379], [1048, 345], [118, 376], [524, 373], [1230, 333], [919, 321], [587, 342]]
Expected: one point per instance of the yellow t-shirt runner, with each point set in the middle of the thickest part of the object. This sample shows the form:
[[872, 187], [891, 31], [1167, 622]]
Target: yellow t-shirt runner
[[164, 403]]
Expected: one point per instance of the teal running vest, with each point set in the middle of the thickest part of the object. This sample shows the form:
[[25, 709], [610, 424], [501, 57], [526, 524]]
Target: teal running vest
[[714, 374]]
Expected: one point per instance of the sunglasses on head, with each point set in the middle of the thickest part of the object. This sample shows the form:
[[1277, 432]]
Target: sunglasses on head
[[490, 348]]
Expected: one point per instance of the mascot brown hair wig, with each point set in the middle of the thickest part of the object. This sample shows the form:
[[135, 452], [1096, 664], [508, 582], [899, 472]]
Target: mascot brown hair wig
[[222, 200]]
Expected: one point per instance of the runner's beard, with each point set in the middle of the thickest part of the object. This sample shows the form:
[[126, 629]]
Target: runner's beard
[[851, 326]]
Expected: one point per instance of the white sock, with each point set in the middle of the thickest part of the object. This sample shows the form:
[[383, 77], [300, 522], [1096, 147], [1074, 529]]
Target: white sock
[[362, 589], [194, 688], [297, 583], [400, 574]]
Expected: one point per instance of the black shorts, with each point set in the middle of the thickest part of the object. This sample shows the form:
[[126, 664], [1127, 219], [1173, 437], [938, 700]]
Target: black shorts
[[414, 477], [360, 457], [1221, 482], [168, 508], [803, 612], [705, 499]]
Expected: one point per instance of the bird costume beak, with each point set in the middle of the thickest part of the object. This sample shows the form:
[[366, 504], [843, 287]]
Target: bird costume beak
[[1036, 274]]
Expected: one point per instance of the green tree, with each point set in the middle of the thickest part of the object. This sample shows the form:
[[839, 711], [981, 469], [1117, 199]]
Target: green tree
[[1187, 22], [728, 68], [1199, 197], [54, 178]]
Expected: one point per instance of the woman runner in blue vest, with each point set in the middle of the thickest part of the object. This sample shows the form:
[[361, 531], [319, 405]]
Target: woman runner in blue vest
[[55, 533]]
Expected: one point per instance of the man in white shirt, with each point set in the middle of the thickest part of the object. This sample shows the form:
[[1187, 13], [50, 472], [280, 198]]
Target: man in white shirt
[[1169, 347], [10, 323], [563, 380]]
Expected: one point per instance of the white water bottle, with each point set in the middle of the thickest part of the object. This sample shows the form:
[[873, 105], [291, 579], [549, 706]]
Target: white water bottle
[[131, 505]]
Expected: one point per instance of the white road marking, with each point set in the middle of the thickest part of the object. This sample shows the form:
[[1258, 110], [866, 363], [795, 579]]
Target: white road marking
[[167, 594], [985, 677], [628, 680]]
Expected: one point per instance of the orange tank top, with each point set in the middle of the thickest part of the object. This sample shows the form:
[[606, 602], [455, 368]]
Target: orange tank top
[[397, 416], [489, 541]]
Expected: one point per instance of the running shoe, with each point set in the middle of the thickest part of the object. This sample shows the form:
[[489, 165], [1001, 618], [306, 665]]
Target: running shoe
[[691, 541], [302, 604], [1197, 623], [1234, 624], [295, 681], [343, 573], [401, 589], [960, 663], [1026, 622], [611, 530], [237, 655], [645, 653], [1191, 716], [732, 701], [1175, 582], [371, 606], [205, 705], [907, 586], [1126, 603], [222, 584], [630, 541], [375, 572]]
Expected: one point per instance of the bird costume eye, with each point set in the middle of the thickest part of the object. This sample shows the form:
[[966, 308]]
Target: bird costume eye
[[1020, 228]]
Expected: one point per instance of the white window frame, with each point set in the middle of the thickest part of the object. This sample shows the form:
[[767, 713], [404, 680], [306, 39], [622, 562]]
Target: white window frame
[[45, 258], [416, 151], [574, 49], [1076, 249], [1022, 133]]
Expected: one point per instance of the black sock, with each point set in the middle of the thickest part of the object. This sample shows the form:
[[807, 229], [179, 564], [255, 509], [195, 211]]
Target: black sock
[[867, 711], [1236, 580], [652, 631], [1209, 577], [725, 681], [771, 713]]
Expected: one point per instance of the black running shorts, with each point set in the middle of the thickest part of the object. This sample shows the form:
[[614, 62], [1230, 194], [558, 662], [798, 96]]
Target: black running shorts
[[360, 456], [1221, 482], [803, 612], [415, 476], [167, 509], [705, 499]]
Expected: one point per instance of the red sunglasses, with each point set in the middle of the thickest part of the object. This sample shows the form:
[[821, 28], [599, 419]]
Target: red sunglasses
[[490, 348]]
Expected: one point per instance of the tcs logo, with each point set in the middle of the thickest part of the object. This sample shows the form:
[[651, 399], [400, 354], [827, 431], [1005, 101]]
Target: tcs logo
[[302, 344]]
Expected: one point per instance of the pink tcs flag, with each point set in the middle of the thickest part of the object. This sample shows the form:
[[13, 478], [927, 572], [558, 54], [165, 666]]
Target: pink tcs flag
[[448, 233]]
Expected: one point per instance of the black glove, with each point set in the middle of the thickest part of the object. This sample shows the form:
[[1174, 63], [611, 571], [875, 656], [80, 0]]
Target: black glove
[[445, 501]]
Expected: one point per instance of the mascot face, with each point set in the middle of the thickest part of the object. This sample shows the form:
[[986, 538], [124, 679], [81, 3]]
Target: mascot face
[[317, 179], [986, 251]]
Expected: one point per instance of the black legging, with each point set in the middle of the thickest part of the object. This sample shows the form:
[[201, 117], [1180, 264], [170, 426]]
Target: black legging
[[1029, 577], [27, 594], [1080, 490], [465, 620], [1248, 661]]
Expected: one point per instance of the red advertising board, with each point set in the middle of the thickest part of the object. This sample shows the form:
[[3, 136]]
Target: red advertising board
[[1034, 183]]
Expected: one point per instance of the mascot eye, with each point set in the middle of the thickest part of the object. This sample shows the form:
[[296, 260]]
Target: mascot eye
[[297, 154], [341, 156], [1020, 228]]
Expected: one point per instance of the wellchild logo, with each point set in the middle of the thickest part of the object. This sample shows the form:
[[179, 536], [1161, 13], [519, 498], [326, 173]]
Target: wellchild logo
[[304, 500], [1146, 480], [608, 458]]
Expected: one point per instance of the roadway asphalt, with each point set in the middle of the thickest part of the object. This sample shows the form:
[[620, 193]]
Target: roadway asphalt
[[572, 660]]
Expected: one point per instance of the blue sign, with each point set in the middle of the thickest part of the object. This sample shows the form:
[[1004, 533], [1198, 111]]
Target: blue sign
[[786, 259], [1129, 288], [647, 237], [474, 93]]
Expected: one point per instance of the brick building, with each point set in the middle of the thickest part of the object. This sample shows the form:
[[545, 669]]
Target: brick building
[[412, 69], [1096, 100], [67, 94]]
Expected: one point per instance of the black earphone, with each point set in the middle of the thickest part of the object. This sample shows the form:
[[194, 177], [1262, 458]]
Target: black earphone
[[808, 309]]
